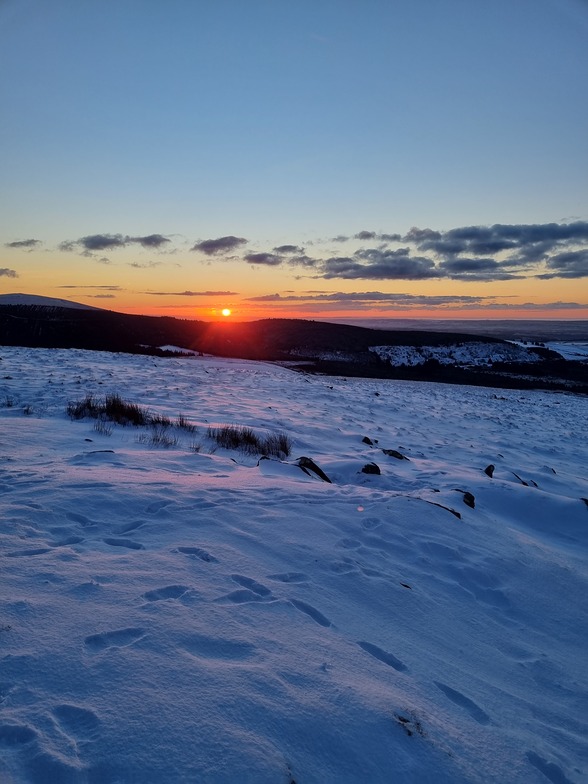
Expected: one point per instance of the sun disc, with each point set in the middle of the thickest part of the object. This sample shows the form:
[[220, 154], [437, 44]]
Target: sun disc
[[226, 312]]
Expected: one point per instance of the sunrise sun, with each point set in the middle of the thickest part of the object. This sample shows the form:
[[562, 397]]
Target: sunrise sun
[[226, 312]]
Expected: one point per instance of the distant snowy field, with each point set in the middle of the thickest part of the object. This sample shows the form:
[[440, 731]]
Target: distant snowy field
[[172, 615]]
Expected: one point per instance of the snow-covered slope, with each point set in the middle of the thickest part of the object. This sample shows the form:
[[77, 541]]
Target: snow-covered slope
[[192, 614], [474, 354], [47, 302]]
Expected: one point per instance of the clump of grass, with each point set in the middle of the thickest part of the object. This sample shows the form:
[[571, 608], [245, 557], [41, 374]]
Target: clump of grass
[[123, 413], [159, 420], [112, 409], [158, 436], [103, 428], [247, 440], [184, 424]]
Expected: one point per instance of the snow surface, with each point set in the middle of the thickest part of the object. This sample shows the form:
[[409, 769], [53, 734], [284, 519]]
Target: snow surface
[[171, 615], [576, 350], [474, 354]]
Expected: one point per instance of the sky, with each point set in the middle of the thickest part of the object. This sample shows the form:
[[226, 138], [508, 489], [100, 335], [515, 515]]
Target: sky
[[341, 159]]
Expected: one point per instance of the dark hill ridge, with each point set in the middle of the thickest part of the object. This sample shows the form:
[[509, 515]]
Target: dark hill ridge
[[268, 339], [322, 347]]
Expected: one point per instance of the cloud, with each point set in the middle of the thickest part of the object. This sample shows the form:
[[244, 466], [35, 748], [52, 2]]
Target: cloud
[[102, 296], [417, 235], [467, 253], [27, 244], [288, 249], [523, 244], [102, 242], [150, 241], [8, 273], [377, 297], [476, 269], [267, 259], [373, 235], [572, 264], [103, 288], [377, 264], [146, 265], [220, 245], [98, 242], [302, 261], [192, 293]]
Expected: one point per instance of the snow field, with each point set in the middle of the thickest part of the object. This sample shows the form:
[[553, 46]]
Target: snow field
[[171, 615]]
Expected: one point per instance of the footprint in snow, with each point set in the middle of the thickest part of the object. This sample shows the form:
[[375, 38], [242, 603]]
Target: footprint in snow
[[460, 699], [128, 543], [206, 647], [81, 723], [120, 638], [252, 585], [168, 592], [312, 612], [383, 656], [27, 553], [16, 734], [549, 769], [198, 552], [242, 596], [67, 540]]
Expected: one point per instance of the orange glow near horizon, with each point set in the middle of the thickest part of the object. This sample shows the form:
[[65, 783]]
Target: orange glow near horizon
[[254, 313]]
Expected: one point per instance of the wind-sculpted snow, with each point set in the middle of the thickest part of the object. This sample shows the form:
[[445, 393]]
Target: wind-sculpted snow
[[193, 614]]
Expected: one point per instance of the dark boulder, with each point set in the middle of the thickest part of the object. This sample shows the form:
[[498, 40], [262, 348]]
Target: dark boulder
[[394, 453], [371, 468], [310, 467]]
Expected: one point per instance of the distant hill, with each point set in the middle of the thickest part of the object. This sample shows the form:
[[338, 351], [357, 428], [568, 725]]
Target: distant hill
[[312, 346], [46, 302]]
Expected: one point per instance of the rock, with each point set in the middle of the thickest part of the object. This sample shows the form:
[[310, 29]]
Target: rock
[[447, 508], [366, 440], [371, 468], [308, 465], [489, 470], [469, 500], [394, 453]]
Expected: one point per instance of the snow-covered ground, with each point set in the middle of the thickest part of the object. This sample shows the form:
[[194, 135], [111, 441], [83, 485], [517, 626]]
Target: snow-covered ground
[[577, 350], [173, 615], [474, 354]]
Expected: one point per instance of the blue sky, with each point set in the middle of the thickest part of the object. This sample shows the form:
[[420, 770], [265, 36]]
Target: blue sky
[[283, 123]]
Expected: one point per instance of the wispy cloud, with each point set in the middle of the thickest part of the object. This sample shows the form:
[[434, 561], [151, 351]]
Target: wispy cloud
[[378, 300], [285, 250], [220, 245], [24, 244], [266, 259], [100, 242], [102, 288], [8, 273], [377, 297], [192, 293]]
